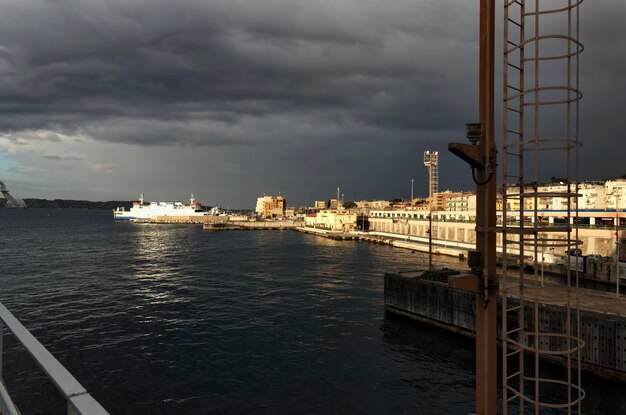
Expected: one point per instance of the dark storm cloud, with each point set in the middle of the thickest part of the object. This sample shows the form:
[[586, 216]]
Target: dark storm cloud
[[188, 72], [327, 92], [62, 158]]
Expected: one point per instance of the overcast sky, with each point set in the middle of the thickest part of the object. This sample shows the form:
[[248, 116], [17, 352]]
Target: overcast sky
[[229, 99]]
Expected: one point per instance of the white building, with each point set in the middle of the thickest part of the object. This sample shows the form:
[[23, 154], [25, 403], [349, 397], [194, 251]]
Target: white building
[[592, 196], [373, 204], [333, 220], [461, 203], [260, 203], [615, 194]]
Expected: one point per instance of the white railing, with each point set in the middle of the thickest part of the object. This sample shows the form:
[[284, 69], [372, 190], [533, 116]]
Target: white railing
[[79, 401]]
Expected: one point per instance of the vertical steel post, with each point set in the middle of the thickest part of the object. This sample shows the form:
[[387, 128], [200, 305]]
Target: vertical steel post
[[1, 347], [431, 194], [486, 304], [617, 219]]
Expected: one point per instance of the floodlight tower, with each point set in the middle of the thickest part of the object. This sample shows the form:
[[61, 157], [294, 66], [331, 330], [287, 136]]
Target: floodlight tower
[[431, 160]]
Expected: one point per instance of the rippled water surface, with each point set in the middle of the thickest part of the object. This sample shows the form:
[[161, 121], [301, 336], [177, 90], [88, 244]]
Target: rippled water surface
[[167, 319]]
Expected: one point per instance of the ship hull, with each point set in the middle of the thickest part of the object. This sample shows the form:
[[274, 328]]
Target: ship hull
[[141, 211]]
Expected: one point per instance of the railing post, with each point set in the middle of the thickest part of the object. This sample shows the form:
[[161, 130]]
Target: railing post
[[71, 410], [1, 346]]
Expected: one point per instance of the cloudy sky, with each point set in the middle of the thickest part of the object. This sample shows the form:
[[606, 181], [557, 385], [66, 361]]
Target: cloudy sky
[[103, 99]]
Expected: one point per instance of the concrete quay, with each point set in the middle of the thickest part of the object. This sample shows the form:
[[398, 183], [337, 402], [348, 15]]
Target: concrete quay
[[224, 223], [195, 220], [595, 270], [426, 297], [336, 235]]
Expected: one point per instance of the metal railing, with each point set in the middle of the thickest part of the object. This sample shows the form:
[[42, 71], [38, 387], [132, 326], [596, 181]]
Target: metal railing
[[79, 401]]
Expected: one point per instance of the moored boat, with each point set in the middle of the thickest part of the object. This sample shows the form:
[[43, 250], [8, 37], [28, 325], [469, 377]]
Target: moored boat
[[142, 210]]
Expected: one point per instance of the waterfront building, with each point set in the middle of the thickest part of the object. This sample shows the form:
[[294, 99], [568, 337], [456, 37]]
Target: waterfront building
[[331, 220], [596, 229], [615, 191], [440, 200], [401, 205], [271, 206], [373, 204], [260, 204], [592, 196], [461, 203]]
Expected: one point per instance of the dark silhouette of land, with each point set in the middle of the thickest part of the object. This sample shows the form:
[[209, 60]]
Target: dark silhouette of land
[[71, 204]]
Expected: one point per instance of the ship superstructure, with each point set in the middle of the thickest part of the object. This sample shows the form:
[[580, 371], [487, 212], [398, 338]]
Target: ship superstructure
[[142, 210]]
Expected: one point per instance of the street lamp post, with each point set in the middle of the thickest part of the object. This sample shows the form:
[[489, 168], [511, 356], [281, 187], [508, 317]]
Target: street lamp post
[[617, 241], [412, 180]]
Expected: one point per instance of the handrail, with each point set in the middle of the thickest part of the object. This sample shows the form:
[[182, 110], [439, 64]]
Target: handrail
[[79, 401]]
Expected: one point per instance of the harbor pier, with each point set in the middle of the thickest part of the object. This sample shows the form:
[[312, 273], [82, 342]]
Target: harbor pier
[[426, 297], [225, 223]]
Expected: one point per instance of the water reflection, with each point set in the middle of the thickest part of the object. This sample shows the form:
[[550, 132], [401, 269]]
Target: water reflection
[[158, 264]]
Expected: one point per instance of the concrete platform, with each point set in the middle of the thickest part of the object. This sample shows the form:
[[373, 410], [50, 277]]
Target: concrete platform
[[426, 297]]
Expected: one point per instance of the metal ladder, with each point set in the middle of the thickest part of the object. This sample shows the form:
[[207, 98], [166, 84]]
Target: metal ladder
[[531, 149]]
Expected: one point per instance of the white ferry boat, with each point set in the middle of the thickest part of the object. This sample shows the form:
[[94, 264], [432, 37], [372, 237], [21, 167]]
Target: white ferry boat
[[149, 210]]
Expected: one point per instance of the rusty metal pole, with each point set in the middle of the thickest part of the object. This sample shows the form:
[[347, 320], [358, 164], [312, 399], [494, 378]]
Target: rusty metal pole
[[430, 218], [483, 281], [486, 310]]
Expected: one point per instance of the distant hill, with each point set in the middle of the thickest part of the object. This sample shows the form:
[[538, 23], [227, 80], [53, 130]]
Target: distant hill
[[71, 204]]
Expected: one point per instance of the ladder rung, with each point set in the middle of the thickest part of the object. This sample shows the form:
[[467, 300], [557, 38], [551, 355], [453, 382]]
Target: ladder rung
[[512, 43], [513, 109], [514, 22], [515, 396], [517, 307], [513, 353], [514, 132], [514, 87], [513, 331], [514, 66], [507, 5], [508, 153], [511, 376]]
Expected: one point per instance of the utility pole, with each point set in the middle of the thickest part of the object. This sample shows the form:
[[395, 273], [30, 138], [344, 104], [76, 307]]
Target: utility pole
[[483, 281], [617, 241], [412, 180]]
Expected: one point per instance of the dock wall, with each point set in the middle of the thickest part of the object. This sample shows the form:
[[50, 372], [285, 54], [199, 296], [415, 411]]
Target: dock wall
[[457, 238], [223, 223], [283, 224], [326, 233], [177, 219], [435, 303]]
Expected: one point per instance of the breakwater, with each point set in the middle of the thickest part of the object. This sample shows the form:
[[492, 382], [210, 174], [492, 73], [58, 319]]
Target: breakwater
[[335, 235], [224, 223], [426, 296], [177, 219]]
